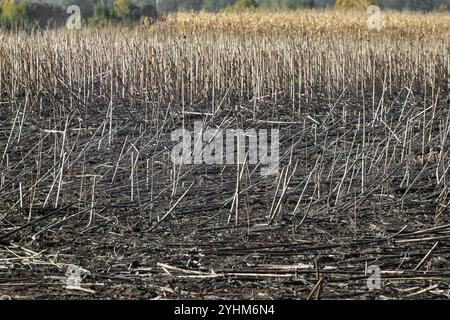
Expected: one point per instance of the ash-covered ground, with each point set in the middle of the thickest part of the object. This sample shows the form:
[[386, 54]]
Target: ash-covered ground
[[357, 210]]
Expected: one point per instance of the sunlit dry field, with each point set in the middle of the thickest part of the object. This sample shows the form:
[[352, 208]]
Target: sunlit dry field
[[87, 178]]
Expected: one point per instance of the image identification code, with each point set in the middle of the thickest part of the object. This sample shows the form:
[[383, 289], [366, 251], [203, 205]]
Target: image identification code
[[226, 310]]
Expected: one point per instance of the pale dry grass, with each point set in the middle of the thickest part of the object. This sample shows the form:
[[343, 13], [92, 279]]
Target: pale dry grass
[[214, 58], [312, 21]]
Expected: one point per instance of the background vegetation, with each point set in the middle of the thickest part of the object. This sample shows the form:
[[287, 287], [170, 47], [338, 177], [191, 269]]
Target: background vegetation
[[87, 179], [99, 12]]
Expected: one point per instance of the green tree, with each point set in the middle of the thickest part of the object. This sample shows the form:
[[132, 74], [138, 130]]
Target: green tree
[[11, 12], [125, 11], [245, 4], [353, 4], [122, 8], [242, 5], [100, 15], [443, 7]]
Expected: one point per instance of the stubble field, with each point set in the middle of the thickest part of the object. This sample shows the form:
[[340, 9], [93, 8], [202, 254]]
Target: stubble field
[[87, 178]]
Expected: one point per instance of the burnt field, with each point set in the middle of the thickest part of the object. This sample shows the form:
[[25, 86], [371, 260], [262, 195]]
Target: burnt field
[[88, 181]]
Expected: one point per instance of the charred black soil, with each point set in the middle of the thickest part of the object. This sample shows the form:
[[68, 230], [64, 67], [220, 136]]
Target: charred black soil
[[362, 186]]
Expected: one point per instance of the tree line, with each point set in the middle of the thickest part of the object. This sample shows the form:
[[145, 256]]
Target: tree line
[[99, 12], [217, 5], [28, 13], [214, 5]]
